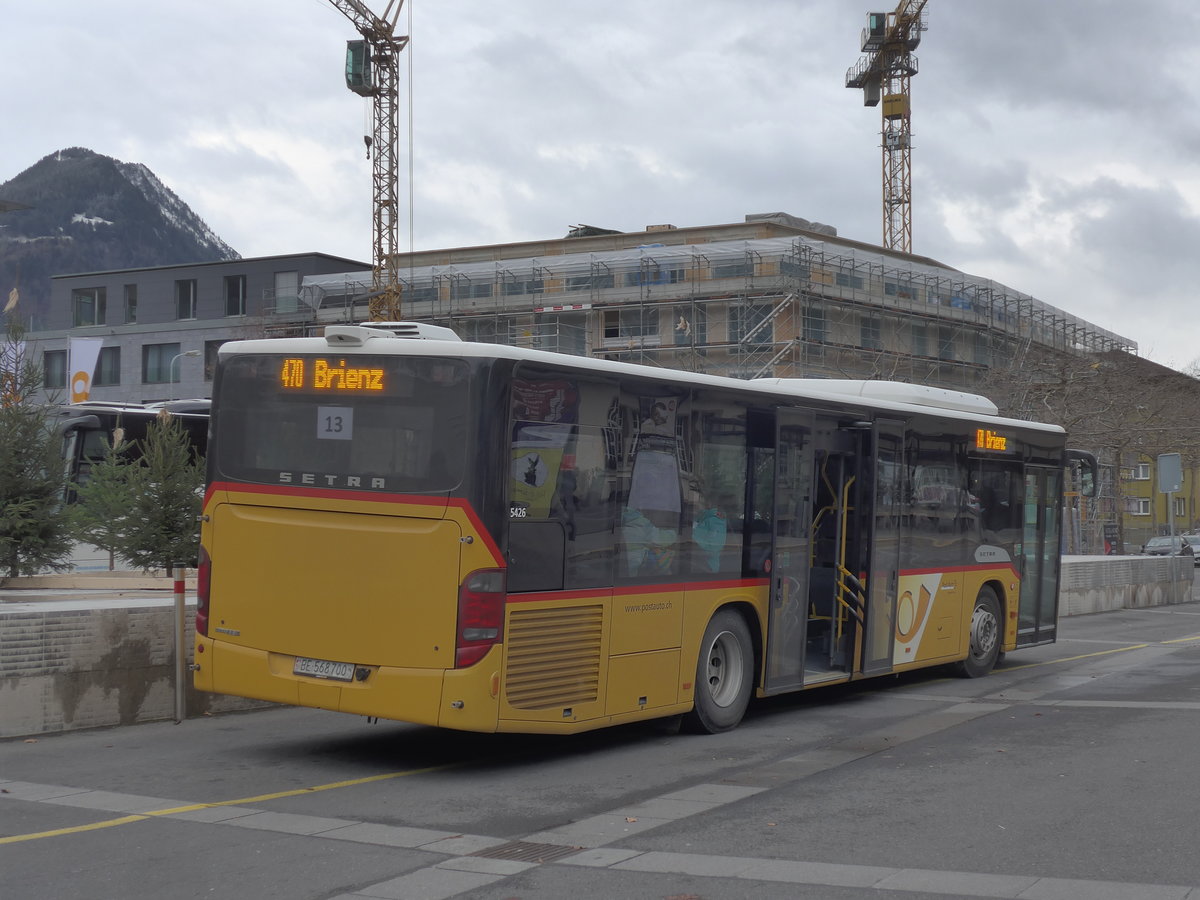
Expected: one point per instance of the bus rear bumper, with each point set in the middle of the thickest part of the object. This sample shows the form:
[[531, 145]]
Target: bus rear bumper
[[463, 699]]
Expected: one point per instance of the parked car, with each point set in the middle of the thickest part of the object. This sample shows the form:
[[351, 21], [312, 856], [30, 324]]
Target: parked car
[[1166, 545], [1194, 541]]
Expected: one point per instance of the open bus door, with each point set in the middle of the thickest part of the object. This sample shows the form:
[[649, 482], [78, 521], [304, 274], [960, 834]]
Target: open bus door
[[791, 551], [886, 540], [1039, 556]]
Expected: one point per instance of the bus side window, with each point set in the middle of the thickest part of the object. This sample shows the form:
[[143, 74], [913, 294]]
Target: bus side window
[[649, 527], [561, 488], [587, 509], [715, 513], [535, 556]]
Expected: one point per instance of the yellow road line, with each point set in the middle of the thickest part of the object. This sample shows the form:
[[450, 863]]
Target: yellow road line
[[1051, 662], [1194, 637], [124, 820], [141, 817]]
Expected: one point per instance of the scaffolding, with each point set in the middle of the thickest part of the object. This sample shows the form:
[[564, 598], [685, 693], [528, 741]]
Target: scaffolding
[[767, 307]]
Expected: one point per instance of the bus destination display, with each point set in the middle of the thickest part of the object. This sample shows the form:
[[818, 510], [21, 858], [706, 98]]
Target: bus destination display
[[315, 374], [987, 439]]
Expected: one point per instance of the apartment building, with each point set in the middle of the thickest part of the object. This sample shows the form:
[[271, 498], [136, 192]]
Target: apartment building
[[160, 327]]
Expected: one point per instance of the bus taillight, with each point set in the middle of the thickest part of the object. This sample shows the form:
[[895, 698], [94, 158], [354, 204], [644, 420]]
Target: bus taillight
[[480, 616], [203, 578]]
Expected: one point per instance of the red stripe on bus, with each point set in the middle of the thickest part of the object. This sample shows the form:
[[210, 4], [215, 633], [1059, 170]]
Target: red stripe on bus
[[373, 497]]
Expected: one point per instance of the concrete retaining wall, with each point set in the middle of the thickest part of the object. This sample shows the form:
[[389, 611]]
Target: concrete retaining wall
[[64, 669], [1092, 584], [88, 663]]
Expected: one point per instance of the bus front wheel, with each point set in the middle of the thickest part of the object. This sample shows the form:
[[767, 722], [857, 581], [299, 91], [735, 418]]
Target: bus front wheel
[[724, 675], [984, 649]]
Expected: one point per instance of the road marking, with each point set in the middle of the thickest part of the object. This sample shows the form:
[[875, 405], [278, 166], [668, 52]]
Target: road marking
[[463, 872], [467, 869], [192, 807], [1120, 704], [1052, 662], [75, 829]]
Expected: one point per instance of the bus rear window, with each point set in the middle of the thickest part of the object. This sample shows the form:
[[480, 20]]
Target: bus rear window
[[395, 424]]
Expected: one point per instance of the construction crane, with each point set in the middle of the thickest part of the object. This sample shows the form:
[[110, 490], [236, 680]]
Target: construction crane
[[373, 70], [886, 72]]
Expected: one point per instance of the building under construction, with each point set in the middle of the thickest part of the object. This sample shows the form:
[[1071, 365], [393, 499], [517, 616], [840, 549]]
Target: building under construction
[[774, 295]]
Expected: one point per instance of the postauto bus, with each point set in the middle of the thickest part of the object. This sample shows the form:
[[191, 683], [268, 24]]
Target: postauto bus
[[400, 524]]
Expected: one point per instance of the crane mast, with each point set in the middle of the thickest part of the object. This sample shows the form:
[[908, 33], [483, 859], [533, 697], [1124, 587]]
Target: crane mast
[[885, 72], [373, 70]]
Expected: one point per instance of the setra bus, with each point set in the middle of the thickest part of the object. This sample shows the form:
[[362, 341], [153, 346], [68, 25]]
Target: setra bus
[[399, 524]]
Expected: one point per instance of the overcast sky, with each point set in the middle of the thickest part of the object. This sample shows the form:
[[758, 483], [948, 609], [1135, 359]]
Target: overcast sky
[[1055, 144]]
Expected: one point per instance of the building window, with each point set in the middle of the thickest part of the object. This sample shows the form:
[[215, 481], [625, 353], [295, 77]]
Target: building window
[[157, 362], [920, 340], [89, 306], [210, 358], [1141, 472], [461, 289], [287, 292], [519, 288], [652, 273], [900, 290], [793, 269], [54, 368], [816, 326], [870, 332], [748, 323], [185, 298], [235, 295], [983, 354], [597, 282], [733, 270], [130, 304], [1180, 504], [108, 367], [845, 279], [945, 342], [409, 293], [1139, 506], [632, 322]]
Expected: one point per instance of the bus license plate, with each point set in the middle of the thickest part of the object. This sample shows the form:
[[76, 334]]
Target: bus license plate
[[323, 668]]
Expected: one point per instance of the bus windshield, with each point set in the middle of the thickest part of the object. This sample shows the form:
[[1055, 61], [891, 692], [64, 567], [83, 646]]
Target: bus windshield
[[396, 424]]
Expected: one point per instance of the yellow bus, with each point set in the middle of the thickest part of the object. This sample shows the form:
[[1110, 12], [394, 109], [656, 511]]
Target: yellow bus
[[399, 524]]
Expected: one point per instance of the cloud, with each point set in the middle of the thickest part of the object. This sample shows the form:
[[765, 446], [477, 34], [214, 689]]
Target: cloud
[[1053, 150]]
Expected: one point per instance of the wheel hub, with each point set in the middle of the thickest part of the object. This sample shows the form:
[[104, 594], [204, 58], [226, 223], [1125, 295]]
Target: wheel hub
[[984, 632]]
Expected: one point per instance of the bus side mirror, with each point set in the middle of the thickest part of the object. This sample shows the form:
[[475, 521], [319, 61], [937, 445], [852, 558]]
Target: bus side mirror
[[1088, 471]]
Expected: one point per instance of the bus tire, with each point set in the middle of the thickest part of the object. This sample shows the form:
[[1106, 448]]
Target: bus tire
[[724, 675], [984, 649]]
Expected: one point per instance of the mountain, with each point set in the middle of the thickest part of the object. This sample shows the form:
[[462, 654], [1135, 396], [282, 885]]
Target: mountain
[[91, 213]]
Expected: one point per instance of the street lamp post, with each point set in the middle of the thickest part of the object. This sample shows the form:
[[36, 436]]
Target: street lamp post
[[172, 380]]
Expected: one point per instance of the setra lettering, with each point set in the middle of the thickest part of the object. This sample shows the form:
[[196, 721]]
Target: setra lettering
[[322, 480]]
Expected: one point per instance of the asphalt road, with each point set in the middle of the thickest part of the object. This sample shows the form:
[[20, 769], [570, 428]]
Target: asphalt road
[[1070, 773]]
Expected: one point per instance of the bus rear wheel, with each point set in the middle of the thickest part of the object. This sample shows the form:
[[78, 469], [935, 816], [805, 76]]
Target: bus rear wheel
[[724, 675], [984, 649]]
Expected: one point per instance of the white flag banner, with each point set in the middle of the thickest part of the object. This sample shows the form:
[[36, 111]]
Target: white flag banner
[[82, 355]]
